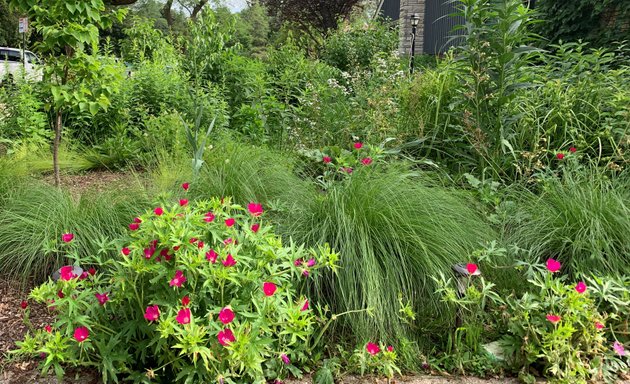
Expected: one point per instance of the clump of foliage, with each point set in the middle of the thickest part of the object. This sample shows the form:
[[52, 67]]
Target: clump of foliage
[[198, 292]]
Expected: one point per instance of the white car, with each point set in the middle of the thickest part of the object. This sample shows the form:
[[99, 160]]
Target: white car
[[11, 65]]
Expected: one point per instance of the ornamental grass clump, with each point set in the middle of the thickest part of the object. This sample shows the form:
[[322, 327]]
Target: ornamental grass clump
[[187, 299]]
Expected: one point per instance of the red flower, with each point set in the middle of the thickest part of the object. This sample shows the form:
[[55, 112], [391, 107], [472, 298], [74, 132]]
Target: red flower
[[298, 262], [366, 161], [471, 268], [599, 325], [305, 306], [228, 241], [48, 328], [176, 248], [209, 217], [148, 252], [255, 209], [560, 156], [83, 276], [229, 261], [230, 222], [327, 159], [347, 170], [92, 271], [158, 211], [60, 294], [226, 337], [372, 348], [285, 359], [67, 273], [185, 186], [183, 202], [152, 313], [134, 226], [67, 237], [183, 316], [358, 145], [255, 227], [572, 149], [390, 349], [580, 287], [24, 304], [81, 334], [554, 318], [125, 251], [185, 301], [137, 220], [102, 298], [226, 316], [178, 279], [200, 244], [553, 265], [211, 256], [193, 240], [269, 288]]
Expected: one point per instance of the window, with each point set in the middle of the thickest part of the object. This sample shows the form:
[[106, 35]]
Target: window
[[12, 56]]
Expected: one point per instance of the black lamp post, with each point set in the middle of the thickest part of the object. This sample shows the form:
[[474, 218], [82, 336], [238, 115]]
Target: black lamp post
[[415, 19]]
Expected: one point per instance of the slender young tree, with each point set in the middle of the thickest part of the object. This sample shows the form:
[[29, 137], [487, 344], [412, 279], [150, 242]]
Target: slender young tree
[[73, 78]]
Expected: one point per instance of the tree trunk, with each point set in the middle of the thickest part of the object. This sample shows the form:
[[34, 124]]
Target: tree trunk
[[197, 9], [167, 12], [56, 143]]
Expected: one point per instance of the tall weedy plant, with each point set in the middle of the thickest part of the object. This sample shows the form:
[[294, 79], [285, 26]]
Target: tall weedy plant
[[492, 68]]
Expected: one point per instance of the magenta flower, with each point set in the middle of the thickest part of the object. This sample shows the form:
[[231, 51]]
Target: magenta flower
[[152, 313], [137, 220], [67, 237], [372, 348], [619, 348], [148, 252], [305, 273], [48, 328], [347, 170], [305, 306], [226, 316], [178, 279], [230, 222], [599, 325], [228, 241], [183, 316], [560, 156], [390, 349], [554, 319], [211, 256], [81, 334], [285, 359], [185, 186], [67, 273], [580, 287], [183, 202], [366, 161], [102, 298], [134, 226], [200, 244], [255, 227], [255, 209], [209, 217], [269, 289], [298, 262], [471, 268], [553, 265], [125, 251], [311, 262], [158, 211], [24, 304], [358, 145], [226, 337], [229, 261], [185, 301], [327, 159]]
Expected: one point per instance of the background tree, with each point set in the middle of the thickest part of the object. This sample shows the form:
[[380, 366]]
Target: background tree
[[70, 32], [8, 26], [308, 15]]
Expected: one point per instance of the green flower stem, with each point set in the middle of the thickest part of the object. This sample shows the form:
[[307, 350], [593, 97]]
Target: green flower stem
[[333, 318]]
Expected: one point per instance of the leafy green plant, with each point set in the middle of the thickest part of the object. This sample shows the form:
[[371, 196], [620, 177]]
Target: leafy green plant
[[199, 291], [373, 358]]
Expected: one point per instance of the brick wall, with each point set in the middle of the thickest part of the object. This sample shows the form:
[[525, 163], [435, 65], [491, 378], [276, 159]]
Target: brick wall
[[408, 8]]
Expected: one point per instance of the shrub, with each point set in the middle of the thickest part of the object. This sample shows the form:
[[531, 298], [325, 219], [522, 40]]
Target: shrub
[[395, 229], [199, 292], [581, 219]]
